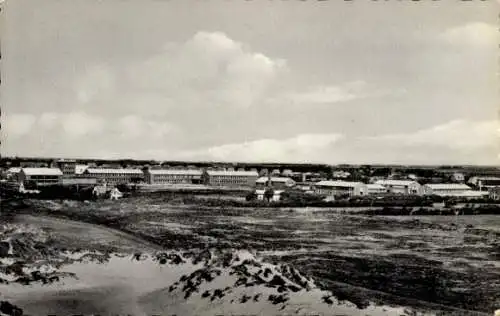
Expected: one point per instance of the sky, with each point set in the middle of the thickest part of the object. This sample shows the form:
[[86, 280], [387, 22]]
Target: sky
[[259, 81]]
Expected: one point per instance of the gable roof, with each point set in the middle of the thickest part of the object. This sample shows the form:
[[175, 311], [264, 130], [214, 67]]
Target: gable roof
[[176, 172], [111, 171], [14, 170], [79, 169], [232, 173], [448, 186], [42, 171], [375, 186], [274, 179], [397, 182], [345, 184]]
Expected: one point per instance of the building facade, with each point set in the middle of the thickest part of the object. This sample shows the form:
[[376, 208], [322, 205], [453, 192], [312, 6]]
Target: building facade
[[67, 167], [40, 176], [12, 174], [278, 183], [230, 178], [375, 189], [447, 189], [172, 176], [408, 187], [115, 176], [485, 183], [340, 188]]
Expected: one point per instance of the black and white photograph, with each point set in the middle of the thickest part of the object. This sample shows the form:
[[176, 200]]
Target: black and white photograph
[[241, 158]]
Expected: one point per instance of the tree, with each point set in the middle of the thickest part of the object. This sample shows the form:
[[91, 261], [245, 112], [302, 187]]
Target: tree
[[268, 194], [251, 196]]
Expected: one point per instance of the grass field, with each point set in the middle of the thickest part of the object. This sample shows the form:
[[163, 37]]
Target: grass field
[[449, 264]]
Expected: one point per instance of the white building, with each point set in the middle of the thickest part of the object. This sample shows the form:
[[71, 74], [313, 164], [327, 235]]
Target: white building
[[339, 188], [12, 173], [80, 169], [374, 189], [401, 186], [485, 183], [458, 177], [340, 174], [172, 176], [40, 176], [114, 176], [287, 173], [447, 189], [276, 194]]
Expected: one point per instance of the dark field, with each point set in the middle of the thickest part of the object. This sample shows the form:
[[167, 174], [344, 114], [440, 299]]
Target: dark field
[[439, 263]]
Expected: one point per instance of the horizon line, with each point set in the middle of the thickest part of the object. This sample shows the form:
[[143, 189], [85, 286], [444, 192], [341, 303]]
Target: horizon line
[[388, 164]]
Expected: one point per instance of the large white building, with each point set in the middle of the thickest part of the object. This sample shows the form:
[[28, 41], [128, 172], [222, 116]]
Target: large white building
[[340, 188], [40, 176], [114, 176], [172, 176], [408, 187]]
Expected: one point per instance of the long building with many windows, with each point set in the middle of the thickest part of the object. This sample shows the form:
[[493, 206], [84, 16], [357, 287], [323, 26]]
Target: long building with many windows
[[409, 187], [340, 188], [230, 178], [447, 189], [115, 176], [172, 176], [40, 176]]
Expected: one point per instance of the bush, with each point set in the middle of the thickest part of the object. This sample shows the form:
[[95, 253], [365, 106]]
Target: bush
[[252, 196]]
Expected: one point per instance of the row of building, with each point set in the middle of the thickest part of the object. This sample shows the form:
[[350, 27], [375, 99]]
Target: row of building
[[115, 176], [404, 187], [69, 173]]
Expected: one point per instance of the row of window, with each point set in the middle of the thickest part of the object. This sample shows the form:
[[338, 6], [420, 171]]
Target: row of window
[[234, 181], [40, 177], [174, 177]]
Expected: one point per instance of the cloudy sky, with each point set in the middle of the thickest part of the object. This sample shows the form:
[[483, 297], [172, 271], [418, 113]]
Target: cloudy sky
[[293, 81]]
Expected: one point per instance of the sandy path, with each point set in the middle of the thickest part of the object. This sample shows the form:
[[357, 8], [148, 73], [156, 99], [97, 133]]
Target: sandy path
[[83, 235]]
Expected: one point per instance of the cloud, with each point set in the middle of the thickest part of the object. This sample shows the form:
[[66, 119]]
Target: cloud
[[457, 134], [472, 34], [49, 120], [459, 141], [95, 80], [16, 125], [303, 147], [329, 94], [133, 126], [78, 124], [210, 64]]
